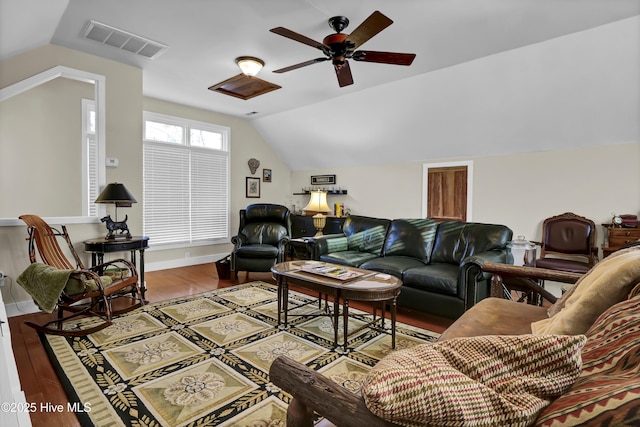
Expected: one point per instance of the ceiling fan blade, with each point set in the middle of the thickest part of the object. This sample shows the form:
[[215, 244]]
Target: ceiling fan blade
[[371, 26], [344, 75], [300, 65], [395, 58], [299, 38]]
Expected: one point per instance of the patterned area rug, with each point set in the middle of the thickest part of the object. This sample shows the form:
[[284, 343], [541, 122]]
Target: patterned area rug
[[204, 359]]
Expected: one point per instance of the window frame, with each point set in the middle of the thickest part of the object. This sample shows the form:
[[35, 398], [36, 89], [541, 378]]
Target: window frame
[[225, 151]]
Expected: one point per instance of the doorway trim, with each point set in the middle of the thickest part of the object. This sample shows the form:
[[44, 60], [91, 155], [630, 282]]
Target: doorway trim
[[425, 184]]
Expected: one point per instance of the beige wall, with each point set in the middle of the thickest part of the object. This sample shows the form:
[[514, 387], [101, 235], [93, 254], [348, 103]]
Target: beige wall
[[31, 124], [518, 190], [124, 107]]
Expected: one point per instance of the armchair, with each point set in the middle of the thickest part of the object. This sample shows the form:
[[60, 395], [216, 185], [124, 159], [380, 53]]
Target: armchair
[[567, 244], [262, 238]]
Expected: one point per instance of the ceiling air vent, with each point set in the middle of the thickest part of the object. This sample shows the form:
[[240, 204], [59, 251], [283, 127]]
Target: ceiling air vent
[[123, 40]]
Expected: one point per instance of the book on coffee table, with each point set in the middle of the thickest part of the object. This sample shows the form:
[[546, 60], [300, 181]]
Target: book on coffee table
[[332, 271]]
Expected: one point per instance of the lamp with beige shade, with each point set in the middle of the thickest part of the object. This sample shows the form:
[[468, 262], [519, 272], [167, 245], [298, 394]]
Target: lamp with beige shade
[[317, 207]]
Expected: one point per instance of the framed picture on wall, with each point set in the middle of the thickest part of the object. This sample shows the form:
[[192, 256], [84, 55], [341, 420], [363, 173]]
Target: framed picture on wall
[[253, 187], [323, 179], [266, 175]]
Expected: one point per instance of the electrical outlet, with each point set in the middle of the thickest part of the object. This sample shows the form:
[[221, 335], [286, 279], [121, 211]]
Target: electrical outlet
[[187, 254], [1, 278]]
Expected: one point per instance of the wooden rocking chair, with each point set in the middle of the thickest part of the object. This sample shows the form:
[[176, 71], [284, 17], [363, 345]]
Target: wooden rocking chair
[[88, 291]]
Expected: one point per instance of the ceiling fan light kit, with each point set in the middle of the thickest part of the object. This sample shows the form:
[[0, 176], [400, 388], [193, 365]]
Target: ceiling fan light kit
[[250, 65], [340, 47], [245, 85]]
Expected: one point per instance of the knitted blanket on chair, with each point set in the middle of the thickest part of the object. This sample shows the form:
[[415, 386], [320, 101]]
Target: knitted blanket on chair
[[44, 283]]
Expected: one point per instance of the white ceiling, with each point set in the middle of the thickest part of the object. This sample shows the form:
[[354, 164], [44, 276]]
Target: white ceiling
[[204, 37]]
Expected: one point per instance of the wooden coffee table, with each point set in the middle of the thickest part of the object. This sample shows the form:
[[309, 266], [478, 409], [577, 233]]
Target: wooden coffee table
[[363, 285]]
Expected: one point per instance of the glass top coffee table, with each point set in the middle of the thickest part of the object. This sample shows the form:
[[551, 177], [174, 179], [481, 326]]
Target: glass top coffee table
[[343, 284]]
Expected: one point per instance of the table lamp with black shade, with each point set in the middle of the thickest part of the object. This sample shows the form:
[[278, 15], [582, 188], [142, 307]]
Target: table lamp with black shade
[[117, 194]]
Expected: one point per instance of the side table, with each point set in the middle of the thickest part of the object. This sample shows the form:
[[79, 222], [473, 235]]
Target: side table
[[99, 247], [297, 248]]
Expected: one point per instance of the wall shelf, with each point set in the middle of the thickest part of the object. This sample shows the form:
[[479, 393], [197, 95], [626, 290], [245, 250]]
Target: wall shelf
[[329, 193]]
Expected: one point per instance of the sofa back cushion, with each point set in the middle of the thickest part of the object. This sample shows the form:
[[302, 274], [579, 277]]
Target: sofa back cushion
[[412, 237], [265, 233], [457, 240], [365, 234]]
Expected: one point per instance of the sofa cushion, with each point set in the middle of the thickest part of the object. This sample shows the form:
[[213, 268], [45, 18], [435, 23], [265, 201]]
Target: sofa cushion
[[480, 381], [440, 278], [264, 212], [606, 284], [608, 389], [365, 234], [457, 240], [257, 251], [351, 258], [412, 237], [487, 318], [394, 265]]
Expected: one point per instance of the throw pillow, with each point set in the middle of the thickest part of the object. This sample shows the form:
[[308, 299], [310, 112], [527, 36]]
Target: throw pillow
[[559, 304], [475, 381], [606, 284], [607, 392]]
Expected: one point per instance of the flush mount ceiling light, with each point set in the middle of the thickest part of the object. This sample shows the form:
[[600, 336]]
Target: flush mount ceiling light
[[245, 85], [250, 65]]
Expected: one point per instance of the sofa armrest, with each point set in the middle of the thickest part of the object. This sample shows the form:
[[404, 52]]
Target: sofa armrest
[[282, 248], [471, 273], [313, 391], [237, 242], [328, 243]]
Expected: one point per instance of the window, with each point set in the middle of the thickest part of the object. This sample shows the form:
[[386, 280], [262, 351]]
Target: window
[[186, 181], [90, 155]]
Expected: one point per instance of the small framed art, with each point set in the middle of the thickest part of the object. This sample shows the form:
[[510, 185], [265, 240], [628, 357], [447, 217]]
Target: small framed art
[[323, 179], [266, 175], [253, 187]]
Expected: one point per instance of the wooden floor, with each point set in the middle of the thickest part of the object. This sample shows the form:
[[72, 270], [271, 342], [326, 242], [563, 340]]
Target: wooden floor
[[40, 382]]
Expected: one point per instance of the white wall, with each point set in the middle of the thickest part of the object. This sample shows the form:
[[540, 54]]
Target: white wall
[[124, 108], [518, 190]]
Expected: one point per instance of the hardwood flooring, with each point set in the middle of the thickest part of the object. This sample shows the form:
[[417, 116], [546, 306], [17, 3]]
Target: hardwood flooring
[[40, 382]]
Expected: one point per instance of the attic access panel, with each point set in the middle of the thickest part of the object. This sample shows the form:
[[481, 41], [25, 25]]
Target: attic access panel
[[244, 87]]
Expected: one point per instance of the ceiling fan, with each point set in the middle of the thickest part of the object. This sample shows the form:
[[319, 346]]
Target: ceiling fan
[[340, 47]]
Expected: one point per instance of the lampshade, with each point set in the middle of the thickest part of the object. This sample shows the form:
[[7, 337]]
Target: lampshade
[[317, 203], [250, 65], [117, 194]]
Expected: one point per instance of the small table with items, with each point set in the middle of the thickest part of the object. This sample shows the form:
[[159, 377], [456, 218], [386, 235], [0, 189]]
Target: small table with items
[[99, 247], [343, 284]]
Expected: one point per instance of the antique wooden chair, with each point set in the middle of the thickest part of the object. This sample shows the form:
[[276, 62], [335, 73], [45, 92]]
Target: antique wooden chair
[[88, 291], [567, 244]]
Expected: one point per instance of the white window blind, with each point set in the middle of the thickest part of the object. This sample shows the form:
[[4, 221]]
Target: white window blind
[[90, 152], [186, 184]]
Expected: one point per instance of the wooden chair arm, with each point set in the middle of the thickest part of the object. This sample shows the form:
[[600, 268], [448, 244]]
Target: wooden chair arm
[[313, 391], [534, 273], [522, 278]]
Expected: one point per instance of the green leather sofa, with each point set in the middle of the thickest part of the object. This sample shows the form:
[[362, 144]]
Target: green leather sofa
[[437, 262]]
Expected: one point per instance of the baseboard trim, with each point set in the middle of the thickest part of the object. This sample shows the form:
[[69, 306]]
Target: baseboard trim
[[183, 262], [21, 307]]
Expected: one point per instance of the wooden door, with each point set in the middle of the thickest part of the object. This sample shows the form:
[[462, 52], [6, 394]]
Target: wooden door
[[447, 193]]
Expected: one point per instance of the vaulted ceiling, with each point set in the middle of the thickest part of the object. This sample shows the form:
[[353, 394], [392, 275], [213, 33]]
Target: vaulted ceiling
[[477, 61]]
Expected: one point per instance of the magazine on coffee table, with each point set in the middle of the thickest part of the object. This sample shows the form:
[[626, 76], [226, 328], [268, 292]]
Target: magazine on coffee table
[[332, 271]]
